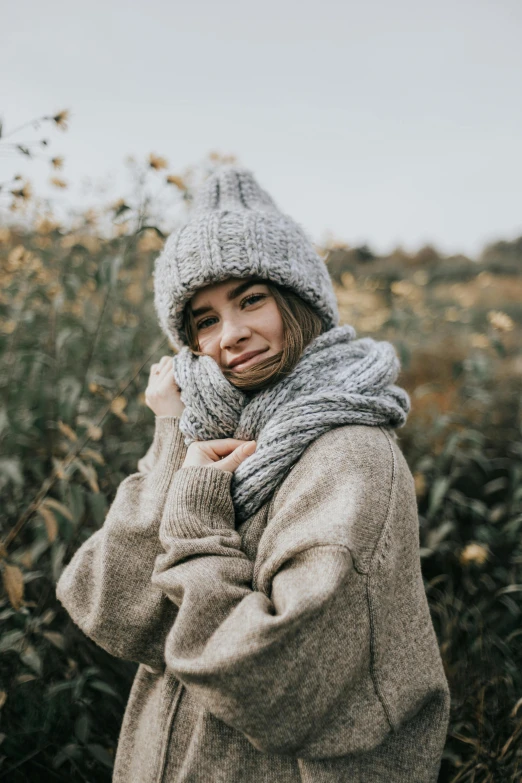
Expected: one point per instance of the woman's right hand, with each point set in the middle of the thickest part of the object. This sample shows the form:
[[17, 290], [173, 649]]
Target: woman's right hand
[[162, 394], [222, 454]]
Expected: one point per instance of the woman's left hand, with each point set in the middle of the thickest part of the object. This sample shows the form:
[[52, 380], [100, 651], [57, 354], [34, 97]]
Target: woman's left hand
[[162, 394], [222, 454]]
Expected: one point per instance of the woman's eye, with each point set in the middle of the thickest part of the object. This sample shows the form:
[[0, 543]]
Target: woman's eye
[[253, 298], [205, 322], [250, 299]]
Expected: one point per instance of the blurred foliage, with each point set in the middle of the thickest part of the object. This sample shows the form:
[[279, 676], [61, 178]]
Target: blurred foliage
[[78, 333]]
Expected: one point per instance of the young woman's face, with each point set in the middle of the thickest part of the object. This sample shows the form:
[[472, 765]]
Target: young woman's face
[[237, 319]]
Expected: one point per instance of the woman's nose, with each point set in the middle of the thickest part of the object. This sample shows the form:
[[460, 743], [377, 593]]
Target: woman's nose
[[232, 332]]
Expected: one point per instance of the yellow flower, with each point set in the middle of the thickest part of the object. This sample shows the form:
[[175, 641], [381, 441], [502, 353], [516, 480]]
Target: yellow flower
[[94, 432], [7, 327], [90, 217], [484, 279], [156, 162], [18, 257], [500, 321], [67, 431], [218, 157], [451, 314], [479, 341], [348, 280], [420, 277], [172, 179], [401, 288], [420, 484], [150, 240], [61, 118], [25, 192], [120, 229], [117, 406], [57, 182], [474, 553], [45, 225]]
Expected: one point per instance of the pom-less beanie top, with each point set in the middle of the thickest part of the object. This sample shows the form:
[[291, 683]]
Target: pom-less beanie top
[[235, 229]]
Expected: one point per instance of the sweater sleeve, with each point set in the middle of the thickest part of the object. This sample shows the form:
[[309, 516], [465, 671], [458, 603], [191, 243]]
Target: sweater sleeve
[[270, 661], [106, 587]]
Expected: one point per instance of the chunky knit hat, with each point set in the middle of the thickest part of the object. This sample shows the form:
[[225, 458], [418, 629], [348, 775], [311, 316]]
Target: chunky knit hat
[[236, 230]]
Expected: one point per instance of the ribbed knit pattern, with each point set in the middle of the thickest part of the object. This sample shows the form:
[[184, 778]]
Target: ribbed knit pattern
[[338, 380], [236, 230], [210, 490], [106, 586]]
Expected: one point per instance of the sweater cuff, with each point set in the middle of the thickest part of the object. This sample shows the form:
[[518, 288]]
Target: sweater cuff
[[169, 451], [199, 497]]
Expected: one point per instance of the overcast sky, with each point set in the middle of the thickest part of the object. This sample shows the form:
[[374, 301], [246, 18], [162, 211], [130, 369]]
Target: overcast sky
[[380, 122]]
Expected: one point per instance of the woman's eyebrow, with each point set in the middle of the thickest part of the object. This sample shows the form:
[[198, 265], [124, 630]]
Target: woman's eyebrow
[[232, 294]]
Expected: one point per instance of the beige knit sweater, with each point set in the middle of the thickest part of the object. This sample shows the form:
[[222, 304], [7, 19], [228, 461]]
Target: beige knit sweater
[[297, 647]]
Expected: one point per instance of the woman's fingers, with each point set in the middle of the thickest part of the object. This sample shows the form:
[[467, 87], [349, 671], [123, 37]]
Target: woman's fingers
[[237, 457], [164, 362], [223, 446], [160, 371], [162, 394], [223, 454]]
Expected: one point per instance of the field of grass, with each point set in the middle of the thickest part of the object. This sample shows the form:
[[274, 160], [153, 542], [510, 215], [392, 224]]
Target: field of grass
[[78, 334]]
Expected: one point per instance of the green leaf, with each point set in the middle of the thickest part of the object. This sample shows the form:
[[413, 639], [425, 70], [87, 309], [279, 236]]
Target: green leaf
[[99, 685], [436, 535], [509, 589], [70, 751], [31, 658], [11, 470], [437, 494], [101, 754], [12, 640], [81, 727], [98, 506], [52, 690], [77, 501], [57, 554]]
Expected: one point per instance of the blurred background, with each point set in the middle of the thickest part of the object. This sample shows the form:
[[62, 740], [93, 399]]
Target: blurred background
[[391, 133]]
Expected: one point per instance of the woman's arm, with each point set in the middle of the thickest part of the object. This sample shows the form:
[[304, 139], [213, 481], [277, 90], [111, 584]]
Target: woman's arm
[[271, 647], [106, 586], [146, 463]]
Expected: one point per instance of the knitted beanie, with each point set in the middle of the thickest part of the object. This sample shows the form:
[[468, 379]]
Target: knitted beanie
[[236, 230]]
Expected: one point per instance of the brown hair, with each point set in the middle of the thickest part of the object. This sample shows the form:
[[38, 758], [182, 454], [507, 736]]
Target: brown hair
[[301, 324]]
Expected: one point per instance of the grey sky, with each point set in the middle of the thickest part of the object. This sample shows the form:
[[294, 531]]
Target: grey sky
[[379, 122]]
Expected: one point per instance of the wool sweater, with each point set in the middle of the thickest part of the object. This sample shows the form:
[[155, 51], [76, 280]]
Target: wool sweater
[[297, 646]]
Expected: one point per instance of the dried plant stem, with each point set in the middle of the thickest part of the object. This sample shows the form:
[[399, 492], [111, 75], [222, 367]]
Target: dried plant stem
[[50, 480]]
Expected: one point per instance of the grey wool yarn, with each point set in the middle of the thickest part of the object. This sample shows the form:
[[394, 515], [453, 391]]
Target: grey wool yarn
[[338, 380], [236, 230]]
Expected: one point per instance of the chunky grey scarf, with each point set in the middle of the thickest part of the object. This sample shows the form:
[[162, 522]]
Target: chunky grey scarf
[[338, 380]]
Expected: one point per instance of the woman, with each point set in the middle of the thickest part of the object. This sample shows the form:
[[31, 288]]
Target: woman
[[262, 565]]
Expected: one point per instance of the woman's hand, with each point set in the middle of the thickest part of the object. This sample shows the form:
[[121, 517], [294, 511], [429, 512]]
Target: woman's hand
[[223, 454], [162, 395]]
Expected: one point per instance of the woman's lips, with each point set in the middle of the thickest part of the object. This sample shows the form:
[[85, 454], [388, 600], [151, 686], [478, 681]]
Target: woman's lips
[[248, 362]]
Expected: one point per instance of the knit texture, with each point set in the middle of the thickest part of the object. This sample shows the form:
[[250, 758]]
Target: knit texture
[[338, 380], [296, 646], [236, 230]]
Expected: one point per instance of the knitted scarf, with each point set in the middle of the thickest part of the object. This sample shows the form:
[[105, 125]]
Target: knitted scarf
[[338, 380]]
